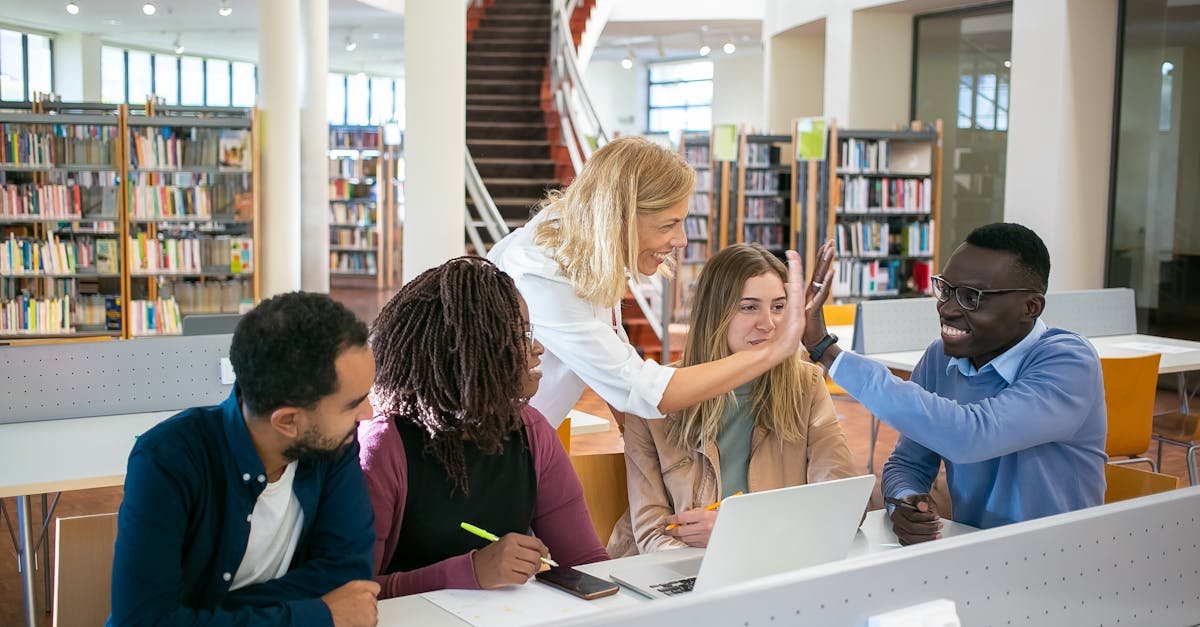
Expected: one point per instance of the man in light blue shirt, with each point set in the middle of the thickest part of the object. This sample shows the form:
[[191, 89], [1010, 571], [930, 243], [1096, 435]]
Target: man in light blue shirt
[[1014, 409]]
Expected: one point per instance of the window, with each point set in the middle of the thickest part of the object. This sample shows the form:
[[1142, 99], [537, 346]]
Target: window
[[191, 81], [382, 100], [166, 78], [40, 64], [358, 99], [141, 82], [217, 92], [244, 84], [680, 97], [112, 74], [335, 98], [12, 66]]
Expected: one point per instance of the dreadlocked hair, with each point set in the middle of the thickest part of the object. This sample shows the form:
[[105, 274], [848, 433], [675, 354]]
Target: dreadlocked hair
[[449, 352]]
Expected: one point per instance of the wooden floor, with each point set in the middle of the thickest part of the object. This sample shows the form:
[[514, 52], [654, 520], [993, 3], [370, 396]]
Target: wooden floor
[[366, 303]]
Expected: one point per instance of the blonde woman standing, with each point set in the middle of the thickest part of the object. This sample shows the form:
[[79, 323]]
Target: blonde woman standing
[[622, 215], [777, 430]]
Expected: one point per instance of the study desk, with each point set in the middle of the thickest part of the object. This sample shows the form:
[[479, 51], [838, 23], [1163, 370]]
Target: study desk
[[875, 535]]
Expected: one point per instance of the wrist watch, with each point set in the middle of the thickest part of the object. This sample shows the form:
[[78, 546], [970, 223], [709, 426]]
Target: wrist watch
[[818, 350]]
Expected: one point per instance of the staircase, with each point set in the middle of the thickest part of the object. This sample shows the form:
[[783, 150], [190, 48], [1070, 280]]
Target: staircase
[[506, 124]]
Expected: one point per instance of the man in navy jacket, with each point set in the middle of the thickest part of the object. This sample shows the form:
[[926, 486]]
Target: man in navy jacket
[[255, 511]]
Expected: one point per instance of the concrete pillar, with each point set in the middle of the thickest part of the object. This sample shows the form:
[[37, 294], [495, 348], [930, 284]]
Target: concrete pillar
[[314, 146], [435, 99], [279, 79], [868, 67], [77, 67], [794, 76], [1063, 53], [839, 38]]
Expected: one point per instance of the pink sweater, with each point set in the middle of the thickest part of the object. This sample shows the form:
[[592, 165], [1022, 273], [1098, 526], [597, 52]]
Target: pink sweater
[[560, 516]]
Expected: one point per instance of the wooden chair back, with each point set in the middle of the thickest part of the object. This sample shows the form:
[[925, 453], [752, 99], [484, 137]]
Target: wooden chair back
[[83, 569], [604, 489]]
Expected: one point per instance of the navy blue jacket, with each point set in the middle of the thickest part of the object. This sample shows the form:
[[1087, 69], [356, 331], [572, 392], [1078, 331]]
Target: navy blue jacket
[[191, 485]]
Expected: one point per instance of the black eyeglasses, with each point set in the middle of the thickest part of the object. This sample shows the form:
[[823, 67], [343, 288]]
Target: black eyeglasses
[[968, 297]]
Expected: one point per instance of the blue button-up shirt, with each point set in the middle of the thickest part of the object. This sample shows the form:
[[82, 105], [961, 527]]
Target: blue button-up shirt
[[1022, 437], [190, 488]]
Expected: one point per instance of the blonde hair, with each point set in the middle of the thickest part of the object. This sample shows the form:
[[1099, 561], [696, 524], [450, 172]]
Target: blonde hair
[[592, 227], [776, 401]]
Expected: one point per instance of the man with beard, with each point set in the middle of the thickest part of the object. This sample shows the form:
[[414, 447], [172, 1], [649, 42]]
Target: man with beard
[[1014, 409], [255, 511]]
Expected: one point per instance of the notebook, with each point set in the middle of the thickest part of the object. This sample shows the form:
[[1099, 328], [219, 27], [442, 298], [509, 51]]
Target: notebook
[[764, 533]]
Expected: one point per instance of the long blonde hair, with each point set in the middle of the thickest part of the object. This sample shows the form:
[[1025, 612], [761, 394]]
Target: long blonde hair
[[592, 229], [776, 399]]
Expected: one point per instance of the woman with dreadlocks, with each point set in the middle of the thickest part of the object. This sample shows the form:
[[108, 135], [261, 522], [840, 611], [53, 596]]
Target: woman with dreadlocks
[[622, 217], [455, 440], [776, 431]]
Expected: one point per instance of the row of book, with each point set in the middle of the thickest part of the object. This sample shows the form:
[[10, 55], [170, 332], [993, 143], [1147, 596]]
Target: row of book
[[343, 189], [704, 180], [26, 314], [771, 236], [885, 195], [764, 181], [761, 155], [167, 147], [695, 252], [362, 214], [158, 201], [41, 201], [209, 296], [766, 208], [696, 227], [167, 255], [49, 145], [155, 317], [90, 310], [356, 238], [697, 155], [351, 168], [354, 138], [352, 262], [879, 278], [21, 256], [877, 238], [701, 205]]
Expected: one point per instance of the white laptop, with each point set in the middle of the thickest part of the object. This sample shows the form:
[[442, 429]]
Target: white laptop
[[764, 533]]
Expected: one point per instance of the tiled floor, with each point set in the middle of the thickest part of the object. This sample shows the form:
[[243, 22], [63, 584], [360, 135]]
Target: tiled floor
[[366, 303]]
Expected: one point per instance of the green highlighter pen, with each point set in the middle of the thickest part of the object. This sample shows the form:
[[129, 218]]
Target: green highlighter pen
[[491, 537]]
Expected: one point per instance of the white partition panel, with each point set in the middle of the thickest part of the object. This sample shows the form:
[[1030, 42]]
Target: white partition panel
[[1131, 563]]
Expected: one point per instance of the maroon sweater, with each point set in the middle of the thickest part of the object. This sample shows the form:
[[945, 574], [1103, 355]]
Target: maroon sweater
[[560, 516]]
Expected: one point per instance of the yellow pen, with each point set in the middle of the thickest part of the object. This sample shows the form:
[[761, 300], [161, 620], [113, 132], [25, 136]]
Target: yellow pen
[[491, 537], [710, 508]]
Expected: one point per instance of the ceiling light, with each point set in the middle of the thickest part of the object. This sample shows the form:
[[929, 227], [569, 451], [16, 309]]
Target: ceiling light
[[729, 48], [376, 36], [360, 74], [1008, 64], [350, 44], [149, 8], [225, 9], [627, 63], [72, 8], [178, 45], [704, 50]]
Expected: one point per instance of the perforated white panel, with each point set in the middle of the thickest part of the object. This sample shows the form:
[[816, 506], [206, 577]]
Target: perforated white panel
[[57, 381], [1130, 563]]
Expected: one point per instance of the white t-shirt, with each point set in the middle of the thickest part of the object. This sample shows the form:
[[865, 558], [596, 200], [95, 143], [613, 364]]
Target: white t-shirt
[[274, 532], [581, 345]]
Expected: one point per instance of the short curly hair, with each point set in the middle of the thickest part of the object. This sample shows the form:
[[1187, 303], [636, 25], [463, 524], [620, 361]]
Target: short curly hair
[[1032, 257], [283, 351]]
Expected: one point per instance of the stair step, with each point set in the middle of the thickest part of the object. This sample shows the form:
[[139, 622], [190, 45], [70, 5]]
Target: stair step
[[491, 168], [505, 72], [500, 113], [519, 187], [513, 30], [505, 45], [507, 57], [489, 147], [506, 130]]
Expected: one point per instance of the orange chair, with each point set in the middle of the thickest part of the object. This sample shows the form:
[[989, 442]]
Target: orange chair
[[1181, 430], [1124, 482], [838, 315], [1129, 387]]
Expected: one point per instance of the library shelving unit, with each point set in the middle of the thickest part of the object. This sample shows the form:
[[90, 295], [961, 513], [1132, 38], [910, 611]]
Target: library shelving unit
[[882, 201], [698, 225], [364, 196], [59, 221], [191, 207], [759, 194]]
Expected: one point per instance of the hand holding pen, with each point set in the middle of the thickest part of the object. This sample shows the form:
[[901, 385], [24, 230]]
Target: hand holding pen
[[915, 518], [508, 560], [694, 526]]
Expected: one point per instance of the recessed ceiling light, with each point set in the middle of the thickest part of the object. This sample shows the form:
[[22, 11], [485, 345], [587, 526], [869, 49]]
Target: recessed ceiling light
[[72, 8], [729, 48], [704, 50], [351, 45], [178, 45], [149, 8], [225, 9], [627, 63]]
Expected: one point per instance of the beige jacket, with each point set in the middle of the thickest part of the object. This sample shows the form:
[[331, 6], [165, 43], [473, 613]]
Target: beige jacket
[[664, 479]]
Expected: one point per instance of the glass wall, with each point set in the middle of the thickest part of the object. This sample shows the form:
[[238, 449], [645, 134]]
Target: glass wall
[[1154, 238], [21, 52], [680, 97], [961, 76]]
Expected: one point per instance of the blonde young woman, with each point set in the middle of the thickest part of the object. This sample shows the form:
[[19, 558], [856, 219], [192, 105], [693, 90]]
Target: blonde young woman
[[622, 215], [777, 430]]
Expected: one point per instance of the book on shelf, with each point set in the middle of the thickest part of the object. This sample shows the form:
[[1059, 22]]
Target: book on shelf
[[155, 317], [107, 261], [26, 314], [235, 149], [862, 194]]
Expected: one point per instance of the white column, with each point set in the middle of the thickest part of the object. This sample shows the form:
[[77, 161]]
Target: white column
[[1063, 53], [314, 144], [839, 38], [794, 71], [77, 67], [435, 101], [279, 77], [880, 69]]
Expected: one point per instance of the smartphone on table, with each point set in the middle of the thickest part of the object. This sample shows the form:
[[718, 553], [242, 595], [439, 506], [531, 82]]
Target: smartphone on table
[[577, 582]]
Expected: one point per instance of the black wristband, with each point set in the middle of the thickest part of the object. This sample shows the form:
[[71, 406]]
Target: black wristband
[[815, 354]]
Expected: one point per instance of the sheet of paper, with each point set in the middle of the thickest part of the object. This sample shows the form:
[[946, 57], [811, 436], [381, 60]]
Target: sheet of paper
[[811, 146], [1153, 347], [530, 604], [725, 142]]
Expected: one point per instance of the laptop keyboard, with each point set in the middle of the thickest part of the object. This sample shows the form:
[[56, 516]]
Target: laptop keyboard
[[676, 587]]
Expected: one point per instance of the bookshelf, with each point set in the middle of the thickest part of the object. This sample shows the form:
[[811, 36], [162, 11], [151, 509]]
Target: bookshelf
[[698, 225], [754, 194], [365, 193], [880, 195], [59, 220], [191, 211]]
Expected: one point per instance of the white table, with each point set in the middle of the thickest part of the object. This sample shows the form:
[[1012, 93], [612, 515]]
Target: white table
[[874, 536], [59, 455]]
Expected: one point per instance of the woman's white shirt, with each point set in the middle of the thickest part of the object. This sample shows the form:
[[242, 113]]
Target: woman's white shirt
[[585, 345]]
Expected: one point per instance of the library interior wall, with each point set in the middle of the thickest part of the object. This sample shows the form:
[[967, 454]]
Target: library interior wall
[[615, 94], [738, 88], [77, 66], [881, 83], [794, 70]]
